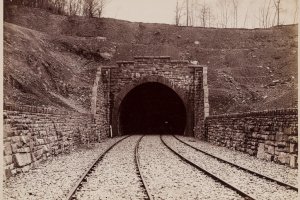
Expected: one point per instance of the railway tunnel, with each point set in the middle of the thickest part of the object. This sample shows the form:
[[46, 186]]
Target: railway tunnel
[[152, 108]]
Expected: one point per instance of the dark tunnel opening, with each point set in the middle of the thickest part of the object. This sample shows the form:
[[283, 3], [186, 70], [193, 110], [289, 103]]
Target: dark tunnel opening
[[152, 108]]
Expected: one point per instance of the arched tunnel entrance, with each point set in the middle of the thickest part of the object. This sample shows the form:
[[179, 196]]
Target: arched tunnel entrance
[[152, 108]]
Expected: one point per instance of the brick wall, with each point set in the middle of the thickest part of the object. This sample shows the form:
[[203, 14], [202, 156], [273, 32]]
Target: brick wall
[[269, 135], [33, 134]]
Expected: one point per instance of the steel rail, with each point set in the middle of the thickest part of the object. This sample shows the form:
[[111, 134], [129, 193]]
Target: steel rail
[[239, 167], [137, 161], [83, 177], [246, 196]]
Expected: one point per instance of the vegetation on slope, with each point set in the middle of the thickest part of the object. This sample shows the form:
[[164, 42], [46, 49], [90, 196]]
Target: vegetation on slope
[[48, 54]]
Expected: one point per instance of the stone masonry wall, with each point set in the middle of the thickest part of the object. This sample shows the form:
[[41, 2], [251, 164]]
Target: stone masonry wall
[[100, 107], [184, 78], [269, 135], [33, 134], [103, 109], [177, 71]]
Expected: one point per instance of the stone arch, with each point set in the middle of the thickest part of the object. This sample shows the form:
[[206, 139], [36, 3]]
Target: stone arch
[[182, 94]]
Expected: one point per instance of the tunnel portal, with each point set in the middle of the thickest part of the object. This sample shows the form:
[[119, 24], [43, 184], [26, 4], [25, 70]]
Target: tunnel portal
[[152, 108]]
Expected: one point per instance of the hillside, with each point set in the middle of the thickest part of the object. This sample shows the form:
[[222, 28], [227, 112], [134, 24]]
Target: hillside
[[50, 60]]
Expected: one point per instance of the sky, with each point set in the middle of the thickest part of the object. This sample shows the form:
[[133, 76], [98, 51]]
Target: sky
[[163, 11]]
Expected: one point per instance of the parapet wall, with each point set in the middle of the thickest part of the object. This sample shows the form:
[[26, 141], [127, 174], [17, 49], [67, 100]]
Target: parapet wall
[[34, 134], [269, 135]]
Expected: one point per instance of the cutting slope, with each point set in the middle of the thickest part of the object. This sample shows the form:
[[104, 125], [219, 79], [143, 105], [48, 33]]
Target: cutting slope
[[48, 54]]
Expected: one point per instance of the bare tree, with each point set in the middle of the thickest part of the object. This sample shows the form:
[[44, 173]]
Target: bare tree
[[265, 14], [246, 17], [191, 13], [296, 12], [93, 8], [58, 6], [235, 13], [210, 17], [204, 14], [224, 7], [178, 13], [277, 7], [74, 7], [187, 12]]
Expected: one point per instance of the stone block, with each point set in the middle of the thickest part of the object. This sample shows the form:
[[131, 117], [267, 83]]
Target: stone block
[[40, 141], [23, 150], [22, 159], [250, 152], [271, 137], [253, 147], [279, 149], [293, 139], [264, 137], [45, 148], [268, 157], [25, 139], [206, 95], [8, 159], [43, 133], [293, 161], [293, 148], [270, 143], [31, 144], [287, 130], [7, 148], [271, 150], [206, 101], [254, 135], [281, 137], [38, 154], [281, 144], [8, 173], [15, 139], [260, 151], [14, 147], [7, 131], [44, 157], [26, 168], [283, 158], [35, 164]]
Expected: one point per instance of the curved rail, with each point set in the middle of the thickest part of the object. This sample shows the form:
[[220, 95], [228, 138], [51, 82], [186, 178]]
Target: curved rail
[[89, 170], [239, 167], [137, 161], [246, 196]]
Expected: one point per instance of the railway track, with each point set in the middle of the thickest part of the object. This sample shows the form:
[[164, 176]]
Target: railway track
[[288, 186], [139, 189], [139, 171], [170, 177], [208, 162], [89, 172], [83, 177], [244, 195]]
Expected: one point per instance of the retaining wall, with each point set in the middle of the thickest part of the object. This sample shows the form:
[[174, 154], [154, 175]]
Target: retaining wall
[[269, 135], [33, 134]]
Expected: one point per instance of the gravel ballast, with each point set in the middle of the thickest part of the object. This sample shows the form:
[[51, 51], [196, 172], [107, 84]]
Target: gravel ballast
[[248, 183], [270, 169], [168, 177], [54, 178], [116, 176]]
